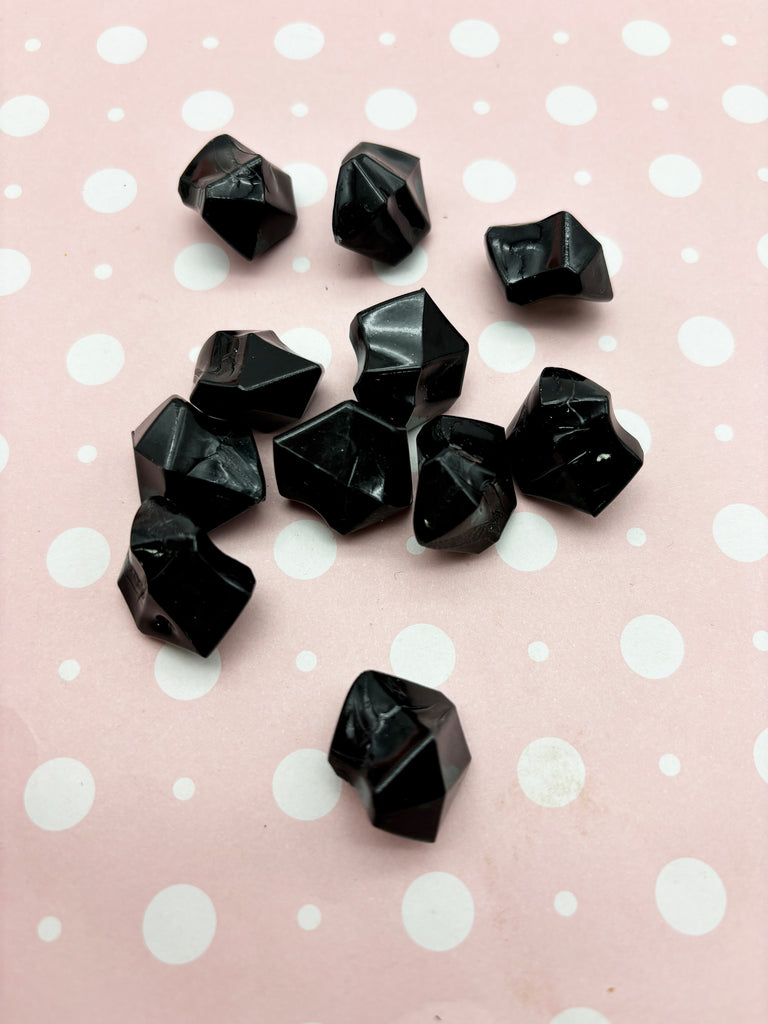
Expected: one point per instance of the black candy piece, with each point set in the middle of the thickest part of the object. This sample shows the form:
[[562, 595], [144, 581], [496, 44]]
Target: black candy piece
[[348, 465], [245, 199], [410, 359], [554, 256], [179, 586], [402, 747], [208, 468], [252, 377], [465, 493], [380, 209], [566, 445]]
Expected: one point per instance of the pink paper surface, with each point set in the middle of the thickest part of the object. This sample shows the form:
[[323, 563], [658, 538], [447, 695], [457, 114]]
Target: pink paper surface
[[175, 847]]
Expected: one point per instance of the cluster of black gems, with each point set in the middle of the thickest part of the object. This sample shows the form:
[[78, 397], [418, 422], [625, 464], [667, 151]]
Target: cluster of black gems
[[398, 743]]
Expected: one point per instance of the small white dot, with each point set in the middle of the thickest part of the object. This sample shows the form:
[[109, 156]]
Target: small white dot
[[762, 173], [32, 45], [309, 917], [69, 670], [49, 929], [669, 765], [306, 661], [728, 40], [607, 343], [566, 903], [481, 106], [413, 546], [183, 789], [116, 114], [86, 453], [299, 109], [301, 264], [102, 271], [690, 255], [582, 177], [194, 352], [538, 651], [636, 536], [387, 38], [12, 191], [723, 432], [760, 640], [659, 103], [561, 38], [210, 42]]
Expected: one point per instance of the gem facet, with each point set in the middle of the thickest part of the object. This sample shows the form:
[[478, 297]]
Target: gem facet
[[402, 747]]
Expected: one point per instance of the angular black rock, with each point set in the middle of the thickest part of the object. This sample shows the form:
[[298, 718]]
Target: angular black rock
[[245, 199], [402, 747], [554, 256], [465, 494], [252, 377], [379, 209], [348, 465], [566, 445], [208, 468], [410, 359], [179, 586]]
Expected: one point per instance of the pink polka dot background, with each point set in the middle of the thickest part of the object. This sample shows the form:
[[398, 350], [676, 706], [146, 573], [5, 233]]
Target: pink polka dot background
[[176, 846]]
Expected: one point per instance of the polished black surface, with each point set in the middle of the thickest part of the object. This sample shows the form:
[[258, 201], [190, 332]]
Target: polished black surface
[[465, 493], [245, 199], [380, 209], [251, 377], [348, 465], [410, 359], [179, 586], [556, 256], [566, 445], [402, 747], [208, 468]]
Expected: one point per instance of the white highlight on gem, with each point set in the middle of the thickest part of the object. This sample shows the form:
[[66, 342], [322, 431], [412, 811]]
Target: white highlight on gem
[[760, 752], [309, 917], [12, 191], [489, 181], [689, 255], [102, 271], [301, 264], [646, 38], [95, 359], [86, 453], [741, 532], [746, 103], [122, 44], [582, 177], [15, 271], [571, 105], [669, 765], [607, 343], [299, 109], [551, 772], [184, 789], [538, 651], [308, 342], [506, 346], [423, 653], [184, 675], [561, 38], [481, 107], [636, 536], [705, 341], [306, 661], [210, 42], [59, 794], [579, 1015], [723, 432], [201, 266], [305, 549], [652, 646], [207, 110], [474, 38], [78, 557], [675, 175], [660, 103], [32, 45], [760, 639], [309, 183], [636, 426], [690, 896], [304, 785], [528, 542], [565, 903], [299, 41], [69, 669], [49, 929], [438, 911], [179, 924], [413, 547], [408, 271], [115, 114], [109, 190], [23, 115], [387, 38], [391, 109]]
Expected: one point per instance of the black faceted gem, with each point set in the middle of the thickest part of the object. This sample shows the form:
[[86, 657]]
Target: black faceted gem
[[251, 377], [402, 747], [245, 199], [410, 359], [179, 586], [554, 256], [465, 494], [348, 465], [566, 445], [379, 209], [208, 468]]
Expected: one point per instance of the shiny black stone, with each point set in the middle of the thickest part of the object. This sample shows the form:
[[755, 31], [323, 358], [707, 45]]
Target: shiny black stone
[[179, 586], [566, 445], [348, 465], [465, 494], [245, 199], [410, 359], [379, 209], [554, 256], [252, 377], [402, 747], [208, 468]]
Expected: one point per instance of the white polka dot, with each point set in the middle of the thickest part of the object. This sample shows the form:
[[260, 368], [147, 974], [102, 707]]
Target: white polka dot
[[660, 103], [413, 547], [689, 255], [675, 175], [59, 793], [309, 917], [561, 38], [210, 42], [201, 266], [741, 532], [32, 45], [95, 359], [387, 38], [24, 115], [110, 190], [551, 772], [528, 543], [690, 896], [115, 114], [4, 453], [69, 670], [299, 109], [102, 271], [506, 346], [438, 911], [636, 536], [422, 653], [309, 183], [607, 343], [307, 342], [184, 675], [762, 173], [299, 41], [705, 341], [391, 109], [566, 903], [184, 789], [723, 432], [49, 929], [669, 765], [305, 549], [728, 40], [474, 38], [12, 191], [121, 44], [481, 107], [538, 651], [301, 264], [760, 640], [746, 103], [571, 105], [613, 255], [193, 353], [760, 754], [306, 661], [762, 250], [579, 1015], [86, 453], [582, 177], [78, 557], [646, 38], [179, 924], [305, 786], [652, 646], [407, 271], [636, 426], [490, 181], [208, 110], [15, 271]]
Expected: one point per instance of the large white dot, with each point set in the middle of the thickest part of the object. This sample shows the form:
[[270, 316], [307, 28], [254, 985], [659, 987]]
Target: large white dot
[[690, 896], [551, 772], [115, 114], [179, 924], [184, 789], [481, 107], [184, 675], [299, 109], [305, 549], [407, 271], [636, 426], [760, 639], [746, 103], [110, 190], [613, 254], [582, 177], [102, 271], [306, 661], [438, 911], [305, 786], [474, 38], [660, 103], [301, 264], [571, 105], [59, 793], [86, 453], [506, 346], [308, 342], [32, 45], [201, 266], [78, 557], [69, 669], [762, 250], [669, 765], [675, 175], [12, 191], [565, 903], [724, 432], [122, 44], [528, 543], [490, 181], [607, 342], [95, 359], [49, 929], [741, 532], [760, 755], [299, 41], [309, 917], [689, 255], [652, 646], [705, 341], [636, 536], [208, 110], [413, 547], [4, 452], [23, 115], [309, 183], [422, 653], [646, 38], [15, 271], [391, 109], [579, 1015]]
